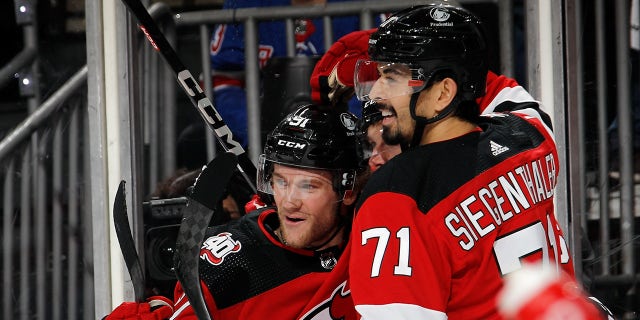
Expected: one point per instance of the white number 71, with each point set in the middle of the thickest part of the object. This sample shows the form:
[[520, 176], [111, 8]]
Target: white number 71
[[383, 234]]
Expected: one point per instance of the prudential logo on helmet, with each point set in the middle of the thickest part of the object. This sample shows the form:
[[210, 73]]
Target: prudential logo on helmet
[[441, 15], [347, 121]]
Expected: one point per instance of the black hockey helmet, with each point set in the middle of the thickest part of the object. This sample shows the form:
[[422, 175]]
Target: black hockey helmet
[[314, 138], [370, 115], [427, 39]]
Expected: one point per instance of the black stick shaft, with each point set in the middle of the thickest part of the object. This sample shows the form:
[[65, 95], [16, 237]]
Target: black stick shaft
[[127, 246], [192, 89], [207, 192]]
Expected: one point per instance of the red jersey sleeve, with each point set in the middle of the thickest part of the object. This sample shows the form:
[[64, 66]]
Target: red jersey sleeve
[[500, 89], [388, 265], [182, 308]]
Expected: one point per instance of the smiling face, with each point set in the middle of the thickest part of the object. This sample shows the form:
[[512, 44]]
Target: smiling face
[[307, 206], [392, 92]]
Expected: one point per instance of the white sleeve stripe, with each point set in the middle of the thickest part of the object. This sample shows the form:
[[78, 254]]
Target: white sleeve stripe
[[398, 311], [177, 313], [516, 94], [179, 299]]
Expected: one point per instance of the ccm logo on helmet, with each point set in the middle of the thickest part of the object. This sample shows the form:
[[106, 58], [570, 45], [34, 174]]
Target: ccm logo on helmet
[[291, 144]]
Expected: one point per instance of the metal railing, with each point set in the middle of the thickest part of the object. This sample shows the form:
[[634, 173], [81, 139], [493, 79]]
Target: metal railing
[[46, 228], [606, 194], [46, 256]]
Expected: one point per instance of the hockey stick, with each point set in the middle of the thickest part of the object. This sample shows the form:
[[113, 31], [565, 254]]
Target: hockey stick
[[207, 192], [192, 89], [127, 246]]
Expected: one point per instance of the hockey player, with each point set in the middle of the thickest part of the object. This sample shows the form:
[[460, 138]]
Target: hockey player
[[376, 151], [439, 226], [332, 84], [274, 259]]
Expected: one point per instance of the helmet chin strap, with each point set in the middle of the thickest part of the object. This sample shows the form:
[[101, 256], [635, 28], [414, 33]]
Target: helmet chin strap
[[422, 122]]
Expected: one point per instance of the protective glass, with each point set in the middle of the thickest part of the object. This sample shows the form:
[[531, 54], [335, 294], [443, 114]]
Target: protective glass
[[384, 80], [298, 186]]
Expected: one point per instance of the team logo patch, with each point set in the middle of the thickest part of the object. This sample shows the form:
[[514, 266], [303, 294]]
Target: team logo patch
[[215, 249]]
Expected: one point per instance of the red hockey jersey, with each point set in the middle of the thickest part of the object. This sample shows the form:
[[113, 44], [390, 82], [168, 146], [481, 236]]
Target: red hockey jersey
[[246, 273], [333, 299], [439, 226]]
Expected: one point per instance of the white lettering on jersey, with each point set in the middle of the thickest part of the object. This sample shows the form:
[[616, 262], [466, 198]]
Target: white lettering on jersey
[[510, 249], [383, 234], [508, 195]]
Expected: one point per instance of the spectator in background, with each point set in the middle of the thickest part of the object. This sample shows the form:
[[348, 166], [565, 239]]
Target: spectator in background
[[228, 59]]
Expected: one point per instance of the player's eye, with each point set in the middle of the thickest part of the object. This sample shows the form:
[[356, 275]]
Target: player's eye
[[307, 186], [279, 183]]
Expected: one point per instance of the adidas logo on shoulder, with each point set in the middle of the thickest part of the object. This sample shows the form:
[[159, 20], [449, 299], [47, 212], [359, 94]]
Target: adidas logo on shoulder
[[497, 149]]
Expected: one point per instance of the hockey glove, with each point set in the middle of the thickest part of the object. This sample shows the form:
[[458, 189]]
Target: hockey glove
[[534, 293], [332, 78]]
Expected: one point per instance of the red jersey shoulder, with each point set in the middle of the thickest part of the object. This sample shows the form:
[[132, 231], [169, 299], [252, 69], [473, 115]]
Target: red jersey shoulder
[[333, 301], [338, 306]]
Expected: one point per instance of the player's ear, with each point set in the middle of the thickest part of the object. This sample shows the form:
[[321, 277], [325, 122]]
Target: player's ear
[[448, 89], [349, 198]]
